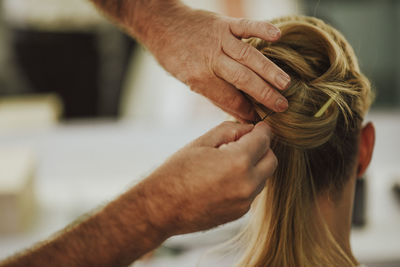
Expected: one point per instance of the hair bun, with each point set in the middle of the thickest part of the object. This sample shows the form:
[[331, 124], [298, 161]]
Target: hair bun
[[322, 65]]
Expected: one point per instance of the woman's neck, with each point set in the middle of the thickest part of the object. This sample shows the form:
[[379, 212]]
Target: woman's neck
[[337, 215]]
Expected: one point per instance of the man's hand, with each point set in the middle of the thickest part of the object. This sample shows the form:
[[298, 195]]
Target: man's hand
[[204, 50], [211, 181]]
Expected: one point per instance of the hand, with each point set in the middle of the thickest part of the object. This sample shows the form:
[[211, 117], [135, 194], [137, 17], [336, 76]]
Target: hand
[[204, 50], [211, 181]]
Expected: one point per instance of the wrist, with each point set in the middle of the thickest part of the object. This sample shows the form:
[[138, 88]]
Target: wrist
[[159, 205], [131, 214], [154, 228], [149, 21]]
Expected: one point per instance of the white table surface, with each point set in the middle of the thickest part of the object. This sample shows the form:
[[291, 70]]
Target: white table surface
[[82, 165]]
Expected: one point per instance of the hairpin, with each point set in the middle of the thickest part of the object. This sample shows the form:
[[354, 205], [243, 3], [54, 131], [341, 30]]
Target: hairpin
[[269, 113], [323, 108], [263, 114]]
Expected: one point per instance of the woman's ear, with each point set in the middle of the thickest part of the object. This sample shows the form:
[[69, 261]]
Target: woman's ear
[[366, 148]]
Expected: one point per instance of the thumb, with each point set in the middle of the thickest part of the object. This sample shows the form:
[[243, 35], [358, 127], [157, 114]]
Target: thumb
[[224, 133], [246, 28]]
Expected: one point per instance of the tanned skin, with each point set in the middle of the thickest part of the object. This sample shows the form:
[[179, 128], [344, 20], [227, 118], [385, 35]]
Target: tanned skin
[[207, 183], [203, 50], [211, 181]]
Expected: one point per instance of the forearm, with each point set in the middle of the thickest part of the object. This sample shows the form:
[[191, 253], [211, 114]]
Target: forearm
[[145, 20], [115, 236], [201, 186]]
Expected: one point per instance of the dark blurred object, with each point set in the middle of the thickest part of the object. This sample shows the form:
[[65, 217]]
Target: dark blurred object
[[358, 218], [65, 63], [70, 64], [372, 28], [396, 191]]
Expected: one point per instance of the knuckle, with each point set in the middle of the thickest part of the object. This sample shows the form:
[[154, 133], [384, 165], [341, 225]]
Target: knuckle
[[240, 78], [243, 21], [245, 24], [267, 67], [244, 53], [235, 133], [242, 163], [223, 24], [228, 127], [266, 94]]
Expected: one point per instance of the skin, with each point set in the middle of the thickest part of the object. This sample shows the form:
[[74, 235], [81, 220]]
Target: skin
[[211, 181], [204, 50], [337, 214]]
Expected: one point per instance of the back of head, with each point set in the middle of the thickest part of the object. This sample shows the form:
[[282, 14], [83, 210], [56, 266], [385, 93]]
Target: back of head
[[316, 153]]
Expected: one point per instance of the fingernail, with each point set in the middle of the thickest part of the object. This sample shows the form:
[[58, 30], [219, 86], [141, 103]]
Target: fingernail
[[282, 80], [273, 32], [281, 104]]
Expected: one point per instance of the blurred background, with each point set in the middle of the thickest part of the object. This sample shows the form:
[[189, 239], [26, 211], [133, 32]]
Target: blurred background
[[86, 112]]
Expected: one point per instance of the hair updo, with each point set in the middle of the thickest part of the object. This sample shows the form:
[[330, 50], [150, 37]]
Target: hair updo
[[322, 65], [315, 154]]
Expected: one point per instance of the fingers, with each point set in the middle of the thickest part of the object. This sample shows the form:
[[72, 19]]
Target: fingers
[[256, 143], [253, 144], [224, 133], [231, 100], [262, 164], [249, 28], [249, 82], [256, 61], [238, 117], [264, 169]]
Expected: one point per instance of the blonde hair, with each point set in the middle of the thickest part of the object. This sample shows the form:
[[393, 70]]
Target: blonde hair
[[315, 154]]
